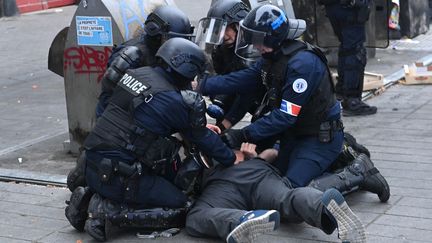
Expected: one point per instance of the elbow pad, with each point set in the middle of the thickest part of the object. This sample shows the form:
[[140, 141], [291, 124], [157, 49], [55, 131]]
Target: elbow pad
[[197, 108], [130, 57]]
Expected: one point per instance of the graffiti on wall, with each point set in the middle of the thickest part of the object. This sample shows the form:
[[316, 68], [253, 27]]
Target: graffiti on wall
[[130, 16], [86, 60], [133, 14]]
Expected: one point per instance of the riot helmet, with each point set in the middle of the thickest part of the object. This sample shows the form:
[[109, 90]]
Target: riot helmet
[[221, 14], [183, 56], [167, 22], [267, 26]]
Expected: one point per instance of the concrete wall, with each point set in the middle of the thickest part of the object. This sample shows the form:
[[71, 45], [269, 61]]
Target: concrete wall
[[8, 8]]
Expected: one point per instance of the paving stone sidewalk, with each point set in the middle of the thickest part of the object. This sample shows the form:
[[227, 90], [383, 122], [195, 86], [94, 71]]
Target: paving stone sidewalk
[[399, 137], [400, 140]]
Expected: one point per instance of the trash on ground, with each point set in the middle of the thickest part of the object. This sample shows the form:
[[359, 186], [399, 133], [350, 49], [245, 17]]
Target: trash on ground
[[417, 73]]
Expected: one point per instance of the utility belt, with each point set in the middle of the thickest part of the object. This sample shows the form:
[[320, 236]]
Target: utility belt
[[107, 168], [185, 178], [327, 130]]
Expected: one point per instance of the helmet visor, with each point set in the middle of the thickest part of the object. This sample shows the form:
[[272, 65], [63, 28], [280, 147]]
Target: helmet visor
[[248, 43], [210, 31]]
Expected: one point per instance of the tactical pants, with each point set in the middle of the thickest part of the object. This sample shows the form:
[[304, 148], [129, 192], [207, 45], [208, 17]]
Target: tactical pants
[[252, 186], [302, 159], [151, 190], [352, 53]]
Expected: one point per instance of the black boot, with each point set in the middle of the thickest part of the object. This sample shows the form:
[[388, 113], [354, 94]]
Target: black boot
[[76, 211], [356, 107], [361, 174], [76, 176], [374, 182], [95, 224], [350, 141], [350, 150], [99, 212]]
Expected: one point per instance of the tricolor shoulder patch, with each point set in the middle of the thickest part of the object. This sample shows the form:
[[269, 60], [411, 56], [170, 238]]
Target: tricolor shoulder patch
[[290, 108]]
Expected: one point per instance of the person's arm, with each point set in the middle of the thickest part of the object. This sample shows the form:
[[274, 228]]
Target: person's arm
[[197, 133], [122, 57], [242, 81], [168, 113], [304, 73], [240, 107], [210, 144]]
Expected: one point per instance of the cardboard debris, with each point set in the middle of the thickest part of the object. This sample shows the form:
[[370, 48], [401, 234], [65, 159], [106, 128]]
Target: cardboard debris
[[417, 73], [372, 81]]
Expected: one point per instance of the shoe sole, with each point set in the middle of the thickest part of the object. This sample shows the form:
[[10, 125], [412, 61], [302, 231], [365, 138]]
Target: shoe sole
[[351, 229], [251, 229]]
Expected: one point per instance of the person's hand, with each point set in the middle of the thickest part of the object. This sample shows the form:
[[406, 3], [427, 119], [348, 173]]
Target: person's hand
[[239, 157], [234, 137], [214, 128], [249, 150]]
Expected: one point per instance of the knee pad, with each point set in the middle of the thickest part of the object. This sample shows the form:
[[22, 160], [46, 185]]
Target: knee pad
[[354, 58]]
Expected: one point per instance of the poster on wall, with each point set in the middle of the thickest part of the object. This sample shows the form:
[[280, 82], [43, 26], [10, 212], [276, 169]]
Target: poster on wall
[[94, 31]]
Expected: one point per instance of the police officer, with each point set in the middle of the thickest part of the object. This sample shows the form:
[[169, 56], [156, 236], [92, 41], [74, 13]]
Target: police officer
[[219, 29], [124, 162], [348, 19], [303, 111], [163, 23]]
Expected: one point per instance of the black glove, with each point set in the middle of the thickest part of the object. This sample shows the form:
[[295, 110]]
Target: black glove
[[234, 138], [221, 126]]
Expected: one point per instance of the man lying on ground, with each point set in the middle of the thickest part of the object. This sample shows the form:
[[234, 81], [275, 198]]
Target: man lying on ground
[[243, 201]]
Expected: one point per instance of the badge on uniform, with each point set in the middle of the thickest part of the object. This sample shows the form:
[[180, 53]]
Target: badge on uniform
[[132, 85], [290, 108], [300, 85]]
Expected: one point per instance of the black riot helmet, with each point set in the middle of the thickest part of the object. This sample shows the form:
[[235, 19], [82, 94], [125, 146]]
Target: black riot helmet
[[266, 25], [168, 22], [221, 14], [183, 56], [230, 10]]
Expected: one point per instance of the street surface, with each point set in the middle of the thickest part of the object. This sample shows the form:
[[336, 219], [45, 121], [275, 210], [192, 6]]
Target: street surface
[[33, 127]]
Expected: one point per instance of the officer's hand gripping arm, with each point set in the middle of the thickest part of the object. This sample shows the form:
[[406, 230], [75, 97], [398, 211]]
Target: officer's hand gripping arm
[[235, 137]]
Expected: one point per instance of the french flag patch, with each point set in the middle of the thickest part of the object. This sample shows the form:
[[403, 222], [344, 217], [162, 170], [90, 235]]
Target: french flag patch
[[290, 108]]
